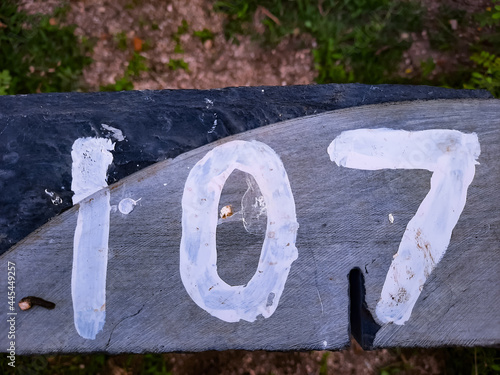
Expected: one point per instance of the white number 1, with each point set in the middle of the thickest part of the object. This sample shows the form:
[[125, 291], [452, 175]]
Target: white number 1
[[451, 156]]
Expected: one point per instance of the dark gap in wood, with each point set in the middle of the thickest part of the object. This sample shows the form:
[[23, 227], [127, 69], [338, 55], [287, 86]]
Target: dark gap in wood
[[362, 325]]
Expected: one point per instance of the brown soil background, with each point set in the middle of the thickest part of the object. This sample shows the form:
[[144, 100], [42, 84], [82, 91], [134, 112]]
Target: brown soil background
[[213, 64], [220, 63]]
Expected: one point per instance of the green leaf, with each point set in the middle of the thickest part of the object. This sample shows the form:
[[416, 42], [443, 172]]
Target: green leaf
[[5, 80], [183, 28], [122, 84], [243, 12], [175, 64], [53, 53], [178, 48], [204, 35]]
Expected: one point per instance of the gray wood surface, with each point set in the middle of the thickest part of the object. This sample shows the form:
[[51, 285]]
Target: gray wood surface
[[343, 218]]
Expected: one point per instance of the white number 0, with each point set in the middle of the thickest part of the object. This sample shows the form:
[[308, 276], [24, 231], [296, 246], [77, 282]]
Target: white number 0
[[198, 254]]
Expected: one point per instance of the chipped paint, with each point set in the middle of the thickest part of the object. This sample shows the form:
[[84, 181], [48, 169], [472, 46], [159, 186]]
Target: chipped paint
[[54, 197], [198, 253], [212, 129], [115, 133], [451, 156]]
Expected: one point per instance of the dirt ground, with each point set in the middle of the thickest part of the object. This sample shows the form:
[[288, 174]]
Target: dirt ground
[[351, 361], [213, 64], [148, 27], [239, 362], [421, 50]]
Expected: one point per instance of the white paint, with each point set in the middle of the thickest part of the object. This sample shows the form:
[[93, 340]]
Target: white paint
[[253, 207], [391, 218], [91, 159], [54, 197], [127, 205], [325, 344], [210, 104], [198, 254], [212, 129], [451, 156], [116, 134]]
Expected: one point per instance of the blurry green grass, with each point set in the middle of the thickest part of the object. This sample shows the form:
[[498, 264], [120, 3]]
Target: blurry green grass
[[92, 364], [355, 41], [451, 361], [37, 54], [364, 40]]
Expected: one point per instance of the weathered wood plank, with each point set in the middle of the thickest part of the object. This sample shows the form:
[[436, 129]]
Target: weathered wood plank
[[37, 132], [343, 218]]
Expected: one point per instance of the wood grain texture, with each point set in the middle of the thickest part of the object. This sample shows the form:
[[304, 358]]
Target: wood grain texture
[[343, 218], [38, 131]]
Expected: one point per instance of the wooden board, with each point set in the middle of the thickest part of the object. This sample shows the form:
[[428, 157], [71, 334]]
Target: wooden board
[[37, 132], [343, 218]]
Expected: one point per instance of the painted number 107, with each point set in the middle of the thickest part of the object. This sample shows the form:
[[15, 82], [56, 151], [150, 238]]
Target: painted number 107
[[449, 154]]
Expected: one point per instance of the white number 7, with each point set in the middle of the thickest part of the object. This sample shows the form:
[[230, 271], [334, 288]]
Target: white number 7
[[451, 156]]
